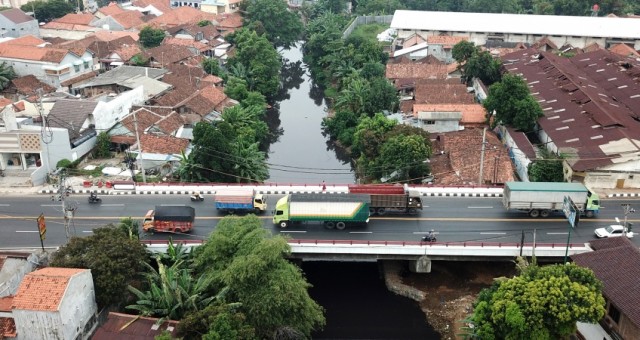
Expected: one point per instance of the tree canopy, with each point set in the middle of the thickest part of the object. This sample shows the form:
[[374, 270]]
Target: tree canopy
[[283, 28], [271, 290], [546, 168], [113, 257], [151, 37], [513, 103], [541, 303], [45, 11]]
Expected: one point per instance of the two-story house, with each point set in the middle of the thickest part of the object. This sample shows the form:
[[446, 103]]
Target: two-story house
[[15, 23]]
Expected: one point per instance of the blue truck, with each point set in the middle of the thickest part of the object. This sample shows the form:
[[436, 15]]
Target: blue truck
[[238, 200]]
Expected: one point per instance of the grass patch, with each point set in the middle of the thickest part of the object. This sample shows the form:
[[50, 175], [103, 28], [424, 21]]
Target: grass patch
[[369, 31]]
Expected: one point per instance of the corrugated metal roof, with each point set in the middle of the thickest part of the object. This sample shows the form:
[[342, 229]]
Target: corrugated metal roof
[[578, 26]]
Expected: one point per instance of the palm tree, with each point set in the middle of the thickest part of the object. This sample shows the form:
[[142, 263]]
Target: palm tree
[[250, 163], [172, 292], [189, 170], [6, 75], [353, 96], [131, 227]]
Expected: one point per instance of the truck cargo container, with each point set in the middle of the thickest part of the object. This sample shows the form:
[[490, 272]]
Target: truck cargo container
[[334, 211], [234, 200], [172, 219], [544, 198], [386, 198]]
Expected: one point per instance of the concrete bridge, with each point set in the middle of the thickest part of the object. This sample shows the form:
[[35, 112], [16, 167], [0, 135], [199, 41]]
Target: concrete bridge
[[419, 254]]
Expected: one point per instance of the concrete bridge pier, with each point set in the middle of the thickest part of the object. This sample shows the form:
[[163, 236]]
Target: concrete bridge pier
[[421, 265]]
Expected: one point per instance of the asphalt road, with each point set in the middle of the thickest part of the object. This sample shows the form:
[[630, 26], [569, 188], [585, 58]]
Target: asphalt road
[[453, 218]]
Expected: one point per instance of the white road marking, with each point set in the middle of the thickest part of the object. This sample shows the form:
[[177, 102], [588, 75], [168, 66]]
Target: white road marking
[[293, 231], [27, 231], [111, 205], [5, 205], [51, 205], [87, 231], [424, 232], [492, 233], [489, 207], [361, 232], [425, 206], [557, 233]]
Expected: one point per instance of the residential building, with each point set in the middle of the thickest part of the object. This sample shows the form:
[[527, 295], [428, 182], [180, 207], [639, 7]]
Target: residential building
[[15, 23], [616, 262], [447, 117], [180, 16], [111, 9], [55, 303], [521, 151], [123, 21], [590, 103], [220, 6], [440, 46], [14, 266], [26, 86], [190, 3], [52, 66], [123, 79], [578, 31], [229, 22], [126, 326]]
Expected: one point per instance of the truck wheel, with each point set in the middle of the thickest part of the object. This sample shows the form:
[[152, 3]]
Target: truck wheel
[[413, 211], [341, 225], [589, 213], [545, 213], [283, 224], [372, 211], [329, 225], [381, 211], [257, 211], [534, 213]]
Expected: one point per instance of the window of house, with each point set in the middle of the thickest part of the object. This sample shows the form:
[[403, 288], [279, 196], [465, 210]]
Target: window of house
[[86, 65], [430, 122], [13, 29], [76, 68], [614, 313]]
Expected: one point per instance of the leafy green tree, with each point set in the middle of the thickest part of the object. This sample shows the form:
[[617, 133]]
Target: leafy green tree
[[378, 7], [463, 50], [372, 70], [216, 322], [341, 127], [283, 27], [370, 135], [189, 170], [211, 66], [103, 145], [6, 75], [541, 303], [212, 146], [45, 11], [130, 227], [484, 66], [249, 165], [114, 260], [402, 158], [203, 23], [151, 37], [513, 104], [546, 168], [171, 291], [236, 88], [332, 6], [492, 6], [272, 291], [260, 60], [382, 95], [354, 96], [138, 60]]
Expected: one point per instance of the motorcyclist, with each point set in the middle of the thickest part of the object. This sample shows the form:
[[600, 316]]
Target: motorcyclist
[[93, 196], [431, 235], [196, 195]]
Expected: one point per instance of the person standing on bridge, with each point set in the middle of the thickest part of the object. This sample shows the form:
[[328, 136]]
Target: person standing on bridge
[[324, 186]]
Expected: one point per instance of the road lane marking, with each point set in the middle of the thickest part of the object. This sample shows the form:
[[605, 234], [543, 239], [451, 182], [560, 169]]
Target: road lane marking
[[489, 207], [293, 231], [5, 205], [557, 233], [27, 231], [50, 205], [361, 232], [87, 231], [492, 233], [112, 205]]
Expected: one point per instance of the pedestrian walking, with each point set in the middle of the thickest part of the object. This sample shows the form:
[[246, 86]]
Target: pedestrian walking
[[324, 187]]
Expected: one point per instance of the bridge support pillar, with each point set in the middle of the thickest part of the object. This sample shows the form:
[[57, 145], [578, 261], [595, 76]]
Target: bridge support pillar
[[421, 265]]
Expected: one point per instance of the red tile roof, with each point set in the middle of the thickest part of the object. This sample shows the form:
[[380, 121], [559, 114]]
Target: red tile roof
[[163, 145], [28, 85], [53, 55], [621, 283], [624, 50], [67, 26], [76, 19], [442, 91], [111, 35], [179, 16], [129, 19], [417, 70], [446, 40], [111, 9], [43, 289], [132, 327], [7, 328], [471, 113], [28, 40], [186, 43], [5, 303]]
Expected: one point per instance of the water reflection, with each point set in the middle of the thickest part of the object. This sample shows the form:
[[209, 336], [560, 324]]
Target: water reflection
[[299, 152]]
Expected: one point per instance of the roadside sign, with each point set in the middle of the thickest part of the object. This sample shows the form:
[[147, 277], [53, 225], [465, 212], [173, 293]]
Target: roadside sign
[[42, 227], [571, 211]]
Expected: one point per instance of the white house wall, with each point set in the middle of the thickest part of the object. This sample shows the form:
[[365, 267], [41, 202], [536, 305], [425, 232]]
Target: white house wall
[[12, 272], [40, 325], [107, 114], [78, 306], [30, 67], [612, 180]]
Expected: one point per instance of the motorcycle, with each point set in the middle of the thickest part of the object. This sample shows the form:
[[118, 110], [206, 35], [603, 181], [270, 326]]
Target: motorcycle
[[428, 238], [95, 199], [198, 198]]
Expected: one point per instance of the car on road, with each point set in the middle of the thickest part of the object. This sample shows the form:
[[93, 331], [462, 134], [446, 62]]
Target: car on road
[[613, 230]]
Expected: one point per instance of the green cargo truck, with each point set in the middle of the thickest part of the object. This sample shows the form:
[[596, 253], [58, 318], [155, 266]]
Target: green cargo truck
[[334, 211]]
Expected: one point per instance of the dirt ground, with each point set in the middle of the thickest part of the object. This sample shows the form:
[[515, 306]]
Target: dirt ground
[[451, 288]]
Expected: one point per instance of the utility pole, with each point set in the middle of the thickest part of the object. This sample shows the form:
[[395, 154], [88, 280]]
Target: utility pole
[[627, 210], [67, 210], [484, 140], [140, 161]]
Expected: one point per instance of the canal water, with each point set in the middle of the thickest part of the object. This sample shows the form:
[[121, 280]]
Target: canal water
[[359, 306], [299, 153]]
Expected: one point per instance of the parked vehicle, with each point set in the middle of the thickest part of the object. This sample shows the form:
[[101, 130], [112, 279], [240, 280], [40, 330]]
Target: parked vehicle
[[386, 198], [235, 200], [334, 211], [171, 219], [613, 230], [544, 198]]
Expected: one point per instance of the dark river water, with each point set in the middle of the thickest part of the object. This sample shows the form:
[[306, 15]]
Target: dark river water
[[301, 154], [359, 306]]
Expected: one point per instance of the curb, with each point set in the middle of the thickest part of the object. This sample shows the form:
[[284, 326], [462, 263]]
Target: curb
[[266, 192], [624, 195]]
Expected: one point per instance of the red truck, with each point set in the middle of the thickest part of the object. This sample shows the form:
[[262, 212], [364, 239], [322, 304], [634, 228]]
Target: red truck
[[387, 198], [171, 219]]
